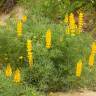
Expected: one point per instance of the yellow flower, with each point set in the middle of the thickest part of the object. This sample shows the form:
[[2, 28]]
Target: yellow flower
[[81, 22], [29, 45], [29, 53], [48, 39], [93, 48], [8, 71], [72, 24], [17, 76], [79, 68], [24, 18], [91, 59], [19, 28]]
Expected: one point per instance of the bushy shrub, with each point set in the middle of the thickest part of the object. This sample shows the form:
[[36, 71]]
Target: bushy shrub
[[53, 69]]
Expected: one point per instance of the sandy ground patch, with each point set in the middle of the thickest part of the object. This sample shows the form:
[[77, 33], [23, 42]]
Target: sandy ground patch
[[17, 12], [85, 93]]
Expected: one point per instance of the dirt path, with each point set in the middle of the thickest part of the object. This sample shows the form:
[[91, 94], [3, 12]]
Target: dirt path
[[85, 93]]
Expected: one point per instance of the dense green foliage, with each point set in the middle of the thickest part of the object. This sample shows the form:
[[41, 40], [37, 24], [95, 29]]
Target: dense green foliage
[[59, 8], [9, 88], [53, 69]]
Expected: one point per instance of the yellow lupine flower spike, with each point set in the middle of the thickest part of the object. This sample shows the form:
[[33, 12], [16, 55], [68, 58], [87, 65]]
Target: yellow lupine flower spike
[[91, 59], [29, 45], [24, 18], [17, 76], [81, 22], [93, 48], [19, 28], [72, 24], [79, 68], [29, 53], [8, 71], [48, 39]]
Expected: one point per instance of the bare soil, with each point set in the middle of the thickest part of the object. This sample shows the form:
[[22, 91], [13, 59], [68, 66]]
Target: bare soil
[[17, 12], [84, 93]]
